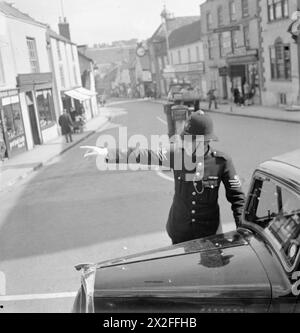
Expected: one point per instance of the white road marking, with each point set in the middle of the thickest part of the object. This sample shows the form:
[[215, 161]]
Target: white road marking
[[162, 175], [162, 120], [2, 284], [31, 297]]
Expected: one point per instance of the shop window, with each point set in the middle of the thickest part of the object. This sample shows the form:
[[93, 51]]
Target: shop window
[[220, 16], [234, 40], [45, 108], [245, 8], [2, 78], [280, 61], [221, 45], [232, 11], [13, 120], [33, 56], [277, 9]]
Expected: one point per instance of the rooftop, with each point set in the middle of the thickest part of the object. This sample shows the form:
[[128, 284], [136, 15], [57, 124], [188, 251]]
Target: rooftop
[[10, 11], [185, 35]]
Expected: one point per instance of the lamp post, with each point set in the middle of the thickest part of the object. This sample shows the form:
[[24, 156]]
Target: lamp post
[[164, 16]]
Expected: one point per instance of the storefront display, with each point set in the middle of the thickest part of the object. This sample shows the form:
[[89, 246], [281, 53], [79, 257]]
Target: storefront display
[[45, 108], [12, 126]]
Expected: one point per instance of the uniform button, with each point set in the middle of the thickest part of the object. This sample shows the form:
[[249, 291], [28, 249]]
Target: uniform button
[[193, 220], [194, 202], [193, 211], [179, 178], [194, 193], [198, 174]]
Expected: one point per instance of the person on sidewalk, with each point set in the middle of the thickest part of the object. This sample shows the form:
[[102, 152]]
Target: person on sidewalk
[[198, 171], [66, 124], [212, 98]]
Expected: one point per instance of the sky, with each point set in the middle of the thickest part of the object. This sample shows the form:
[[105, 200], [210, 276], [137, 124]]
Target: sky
[[104, 21]]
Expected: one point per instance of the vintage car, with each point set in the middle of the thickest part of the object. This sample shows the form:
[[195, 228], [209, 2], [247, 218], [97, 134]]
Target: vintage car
[[184, 93], [253, 269]]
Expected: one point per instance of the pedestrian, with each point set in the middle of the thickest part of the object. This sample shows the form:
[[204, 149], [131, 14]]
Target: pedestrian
[[2, 145], [66, 125], [246, 93], [212, 98], [236, 96], [195, 211]]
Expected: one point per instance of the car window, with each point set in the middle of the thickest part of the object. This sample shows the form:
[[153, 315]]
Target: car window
[[276, 209]]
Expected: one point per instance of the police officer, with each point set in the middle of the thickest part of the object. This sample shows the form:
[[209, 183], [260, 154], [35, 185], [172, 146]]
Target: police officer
[[198, 171]]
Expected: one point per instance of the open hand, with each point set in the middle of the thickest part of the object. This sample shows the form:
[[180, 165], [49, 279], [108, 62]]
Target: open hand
[[94, 151]]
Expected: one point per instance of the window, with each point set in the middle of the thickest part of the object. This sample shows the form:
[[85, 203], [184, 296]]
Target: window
[[33, 57], [58, 50], [245, 8], [179, 56], [198, 53], [221, 45], [209, 21], [75, 75], [232, 11], [2, 78], [172, 59], [234, 40], [72, 52], [277, 9], [13, 120], [220, 16], [45, 107], [280, 61], [189, 56], [62, 76], [210, 49], [246, 36], [276, 210]]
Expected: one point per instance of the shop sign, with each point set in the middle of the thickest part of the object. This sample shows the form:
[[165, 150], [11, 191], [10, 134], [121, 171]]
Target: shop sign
[[196, 67], [147, 76], [17, 143], [242, 51], [223, 71], [224, 29], [8, 93]]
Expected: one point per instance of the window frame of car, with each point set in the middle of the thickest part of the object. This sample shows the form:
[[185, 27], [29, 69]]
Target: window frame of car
[[263, 232]]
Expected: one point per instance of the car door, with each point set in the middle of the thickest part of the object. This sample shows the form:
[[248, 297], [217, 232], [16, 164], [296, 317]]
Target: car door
[[273, 210]]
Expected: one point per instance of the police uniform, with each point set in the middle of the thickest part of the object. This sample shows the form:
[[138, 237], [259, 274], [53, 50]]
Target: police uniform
[[195, 212]]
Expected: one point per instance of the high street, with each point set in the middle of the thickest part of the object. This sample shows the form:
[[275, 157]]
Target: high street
[[69, 212]]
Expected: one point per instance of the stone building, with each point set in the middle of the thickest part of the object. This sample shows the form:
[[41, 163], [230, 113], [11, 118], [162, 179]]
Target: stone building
[[232, 44], [279, 53]]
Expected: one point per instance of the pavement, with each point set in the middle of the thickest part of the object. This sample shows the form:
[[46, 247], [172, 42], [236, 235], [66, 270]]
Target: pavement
[[21, 166], [251, 111]]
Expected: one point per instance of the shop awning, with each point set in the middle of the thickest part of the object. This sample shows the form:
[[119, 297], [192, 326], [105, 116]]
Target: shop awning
[[77, 95], [86, 92]]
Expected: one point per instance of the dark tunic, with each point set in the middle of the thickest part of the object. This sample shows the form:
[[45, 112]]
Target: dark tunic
[[195, 211], [65, 123]]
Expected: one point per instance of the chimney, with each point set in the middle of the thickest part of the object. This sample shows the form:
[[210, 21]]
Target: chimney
[[64, 28]]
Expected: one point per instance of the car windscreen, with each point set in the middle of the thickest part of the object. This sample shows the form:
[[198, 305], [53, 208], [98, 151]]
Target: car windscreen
[[276, 209]]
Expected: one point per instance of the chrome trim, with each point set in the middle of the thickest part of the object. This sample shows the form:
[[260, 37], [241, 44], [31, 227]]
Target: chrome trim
[[88, 283]]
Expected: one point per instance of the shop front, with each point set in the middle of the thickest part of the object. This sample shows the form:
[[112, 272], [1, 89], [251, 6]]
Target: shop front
[[193, 73], [38, 107], [244, 73], [12, 129], [82, 100]]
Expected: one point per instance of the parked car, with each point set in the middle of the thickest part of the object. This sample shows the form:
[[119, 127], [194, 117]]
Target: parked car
[[253, 269]]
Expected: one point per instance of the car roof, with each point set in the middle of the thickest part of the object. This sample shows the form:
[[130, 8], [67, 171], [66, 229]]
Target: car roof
[[285, 167]]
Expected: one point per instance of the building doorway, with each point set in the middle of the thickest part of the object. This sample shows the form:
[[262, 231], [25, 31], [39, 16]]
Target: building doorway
[[33, 120]]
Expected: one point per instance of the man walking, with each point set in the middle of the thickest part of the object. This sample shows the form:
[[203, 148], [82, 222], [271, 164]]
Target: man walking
[[212, 98], [198, 171], [66, 125]]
